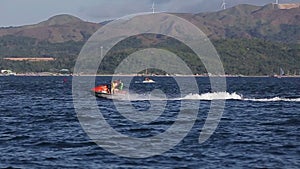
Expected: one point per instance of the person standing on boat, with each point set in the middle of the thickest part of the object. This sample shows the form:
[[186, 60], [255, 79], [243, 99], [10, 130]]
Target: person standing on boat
[[120, 85], [113, 86], [116, 86]]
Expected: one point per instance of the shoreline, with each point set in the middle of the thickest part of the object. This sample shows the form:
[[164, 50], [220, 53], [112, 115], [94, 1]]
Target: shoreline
[[140, 75]]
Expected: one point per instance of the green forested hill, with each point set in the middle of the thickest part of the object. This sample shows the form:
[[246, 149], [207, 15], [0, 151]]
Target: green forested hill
[[258, 57], [65, 54], [239, 56]]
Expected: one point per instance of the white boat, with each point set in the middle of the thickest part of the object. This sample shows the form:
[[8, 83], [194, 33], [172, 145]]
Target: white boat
[[281, 73], [8, 73], [148, 80]]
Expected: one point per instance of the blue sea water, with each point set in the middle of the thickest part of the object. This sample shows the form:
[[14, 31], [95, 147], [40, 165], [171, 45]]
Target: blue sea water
[[259, 128]]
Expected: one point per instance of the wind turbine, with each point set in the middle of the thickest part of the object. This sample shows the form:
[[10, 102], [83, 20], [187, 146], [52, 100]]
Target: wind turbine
[[153, 9], [223, 6]]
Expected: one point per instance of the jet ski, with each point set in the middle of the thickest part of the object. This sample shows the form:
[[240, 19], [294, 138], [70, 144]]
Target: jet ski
[[104, 91]]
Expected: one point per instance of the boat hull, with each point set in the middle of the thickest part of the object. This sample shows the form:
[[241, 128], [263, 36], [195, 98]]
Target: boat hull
[[119, 96], [103, 91]]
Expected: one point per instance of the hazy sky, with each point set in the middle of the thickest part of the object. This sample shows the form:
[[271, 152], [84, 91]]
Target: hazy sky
[[24, 12]]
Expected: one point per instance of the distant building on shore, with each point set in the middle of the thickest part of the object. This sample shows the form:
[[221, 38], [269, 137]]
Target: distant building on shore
[[31, 59]]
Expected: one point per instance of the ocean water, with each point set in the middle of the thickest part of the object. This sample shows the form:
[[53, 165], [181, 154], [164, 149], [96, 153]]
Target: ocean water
[[259, 127]]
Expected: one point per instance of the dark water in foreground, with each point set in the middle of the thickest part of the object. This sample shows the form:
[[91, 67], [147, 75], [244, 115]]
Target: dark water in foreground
[[39, 127]]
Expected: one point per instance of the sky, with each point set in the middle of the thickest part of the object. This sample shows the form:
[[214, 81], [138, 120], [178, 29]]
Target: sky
[[26, 12]]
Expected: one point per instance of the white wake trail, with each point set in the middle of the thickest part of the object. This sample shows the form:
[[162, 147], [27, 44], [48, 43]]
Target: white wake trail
[[234, 96], [207, 97]]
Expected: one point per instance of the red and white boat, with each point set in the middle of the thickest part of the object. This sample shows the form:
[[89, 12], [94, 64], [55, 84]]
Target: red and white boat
[[104, 91]]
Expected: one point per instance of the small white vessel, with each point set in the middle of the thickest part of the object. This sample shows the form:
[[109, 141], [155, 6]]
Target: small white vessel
[[148, 80]]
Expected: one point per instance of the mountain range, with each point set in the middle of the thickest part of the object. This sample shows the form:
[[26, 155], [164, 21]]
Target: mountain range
[[59, 28], [270, 26], [270, 22]]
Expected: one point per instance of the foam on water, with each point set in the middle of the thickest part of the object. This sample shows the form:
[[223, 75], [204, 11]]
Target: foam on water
[[274, 99], [213, 96], [210, 96], [234, 96]]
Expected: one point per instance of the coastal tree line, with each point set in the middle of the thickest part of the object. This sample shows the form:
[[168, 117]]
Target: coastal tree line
[[239, 56]]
